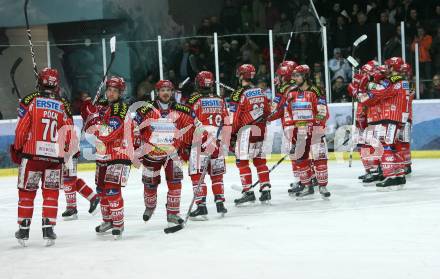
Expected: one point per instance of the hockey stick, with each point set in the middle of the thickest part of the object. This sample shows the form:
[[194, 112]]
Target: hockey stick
[[31, 46], [12, 75], [202, 176], [183, 83], [287, 46], [355, 64], [112, 58], [238, 188], [226, 86]]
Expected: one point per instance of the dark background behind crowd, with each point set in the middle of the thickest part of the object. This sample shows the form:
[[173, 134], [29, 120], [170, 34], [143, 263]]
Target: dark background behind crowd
[[345, 21]]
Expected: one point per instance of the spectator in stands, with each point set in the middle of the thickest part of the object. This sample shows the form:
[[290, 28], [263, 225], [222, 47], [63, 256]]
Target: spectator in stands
[[205, 28], [393, 47], [339, 91], [339, 66], [305, 16], [367, 49], [334, 14], [435, 51], [230, 17], [216, 26], [318, 76], [434, 91], [424, 40], [283, 26], [341, 33], [263, 84], [262, 72], [392, 11], [387, 29], [272, 14], [355, 9], [249, 51], [412, 24], [247, 19], [259, 14], [143, 91], [77, 102]]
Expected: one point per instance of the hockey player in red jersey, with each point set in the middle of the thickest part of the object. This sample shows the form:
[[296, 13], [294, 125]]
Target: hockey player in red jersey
[[364, 135], [403, 145], [166, 130], [42, 139], [249, 109], [72, 184], [209, 112], [307, 110], [108, 122], [388, 100]]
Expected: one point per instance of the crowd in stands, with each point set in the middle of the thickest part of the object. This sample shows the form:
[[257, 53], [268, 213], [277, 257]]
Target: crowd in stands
[[346, 20]]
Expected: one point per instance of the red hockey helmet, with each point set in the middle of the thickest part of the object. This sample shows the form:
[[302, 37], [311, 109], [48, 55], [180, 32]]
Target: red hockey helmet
[[49, 78], [247, 71], [406, 69], [116, 82], [291, 64], [285, 73], [370, 67], [394, 63], [302, 69], [164, 83], [204, 79]]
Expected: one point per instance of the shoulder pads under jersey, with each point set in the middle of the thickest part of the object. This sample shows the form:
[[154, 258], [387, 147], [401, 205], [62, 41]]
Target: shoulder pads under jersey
[[28, 99], [316, 90], [236, 95], [182, 108], [193, 99], [67, 107], [396, 78], [119, 109]]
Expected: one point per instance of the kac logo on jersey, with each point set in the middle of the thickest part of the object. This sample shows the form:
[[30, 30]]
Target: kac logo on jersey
[[114, 123], [253, 93], [21, 111], [48, 104]]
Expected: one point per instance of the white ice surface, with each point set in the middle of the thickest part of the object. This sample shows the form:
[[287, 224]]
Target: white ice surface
[[359, 233]]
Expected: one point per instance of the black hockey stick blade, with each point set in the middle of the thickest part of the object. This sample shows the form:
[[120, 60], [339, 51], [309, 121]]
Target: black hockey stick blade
[[173, 229]]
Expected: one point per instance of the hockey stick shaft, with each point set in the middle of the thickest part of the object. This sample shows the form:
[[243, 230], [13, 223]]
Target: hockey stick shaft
[[196, 190], [353, 116], [31, 46], [271, 169], [12, 74]]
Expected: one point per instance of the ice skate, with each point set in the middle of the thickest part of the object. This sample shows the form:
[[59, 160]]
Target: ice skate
[[147, 214], [200, 214], [265, 196], [49, 235], [371, 178], [22, 234], [391, 183], [295, 188], [117, 232], [104, 227], [70, 214], [174, 219], [325, 194], [248, 196], [94, 205], [306, 194], [221, 209]]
